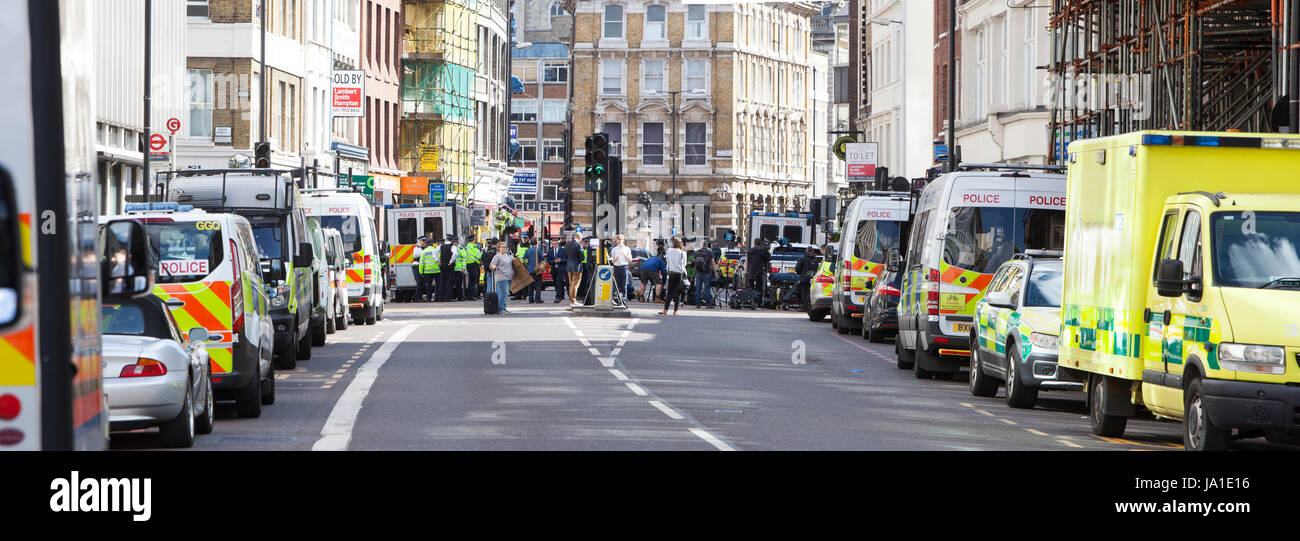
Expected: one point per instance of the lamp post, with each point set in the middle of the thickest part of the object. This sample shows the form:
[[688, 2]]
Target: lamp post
[[903, 107]]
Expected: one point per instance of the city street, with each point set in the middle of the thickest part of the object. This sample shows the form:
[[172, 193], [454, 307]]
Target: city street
[[445, 376]]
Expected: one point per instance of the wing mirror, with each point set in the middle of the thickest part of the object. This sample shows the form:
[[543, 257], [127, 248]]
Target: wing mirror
[[1169, 278], [126, 260], [894, 261], [276, 272], [305, 256], [199, 335], [1000, 299]]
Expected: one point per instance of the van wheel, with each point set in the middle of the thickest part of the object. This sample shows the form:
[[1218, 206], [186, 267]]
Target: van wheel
[[1199, 433], [341, 320], [329, 324], [923, 355], [249, 404], [906, 359], [842, 328], [288, 360], [835, 320], [304, 346], [379, 315], [1102, 424], [205, 421], [318, 332], [816, 315], [179, 432], [268, 389], [370, 316]]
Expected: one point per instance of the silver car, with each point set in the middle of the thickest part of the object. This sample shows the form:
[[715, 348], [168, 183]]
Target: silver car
[[153, 375]]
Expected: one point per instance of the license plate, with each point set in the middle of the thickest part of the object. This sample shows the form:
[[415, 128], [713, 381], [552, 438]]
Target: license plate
[[961, 328]]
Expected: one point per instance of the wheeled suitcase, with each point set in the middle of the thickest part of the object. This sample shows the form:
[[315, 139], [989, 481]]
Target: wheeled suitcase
[[490, 304]]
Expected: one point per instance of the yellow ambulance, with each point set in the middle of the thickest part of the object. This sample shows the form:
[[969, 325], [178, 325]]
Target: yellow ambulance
[[1182, 282]]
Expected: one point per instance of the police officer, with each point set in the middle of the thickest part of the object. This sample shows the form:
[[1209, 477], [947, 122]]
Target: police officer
[[472, 256], [446, 268], [423, 277], [458, 283]]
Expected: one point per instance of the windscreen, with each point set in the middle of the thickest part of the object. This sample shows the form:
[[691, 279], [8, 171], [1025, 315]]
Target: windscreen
[[350, 228], [268, 231], [1255, 249], [123, 319], [1045, 288], [981, 238], [187, 251], [875, 238]]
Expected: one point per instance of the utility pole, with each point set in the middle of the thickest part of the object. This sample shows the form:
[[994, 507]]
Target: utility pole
[[261, 80], [148, 93], [952, 85], [572, 6]]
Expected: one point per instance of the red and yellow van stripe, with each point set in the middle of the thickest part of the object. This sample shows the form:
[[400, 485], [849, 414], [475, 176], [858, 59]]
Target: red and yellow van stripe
[[18, 357], [403, 253], [861, 272], [958, 276], [206, 305]]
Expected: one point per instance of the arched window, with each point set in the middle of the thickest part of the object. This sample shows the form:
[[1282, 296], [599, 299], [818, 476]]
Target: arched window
[[557, 9]]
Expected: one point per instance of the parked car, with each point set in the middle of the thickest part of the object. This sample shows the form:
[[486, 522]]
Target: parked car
[[337, 269], [880, 313], [154, 375], [1016, 329]]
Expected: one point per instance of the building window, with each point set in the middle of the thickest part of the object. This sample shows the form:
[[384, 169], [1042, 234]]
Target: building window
[[523, 110], [614, 22], [525, 73], [553, 150], [196, 8], [696, 21], [697, 75], [527, 150], [556, 73], [611, 76], [557, 9], [656, 22], [615, 131], [1031, 58], [652, 143], [695, 145], [553, 110], [200, 103], [981, 74], [654, 75]]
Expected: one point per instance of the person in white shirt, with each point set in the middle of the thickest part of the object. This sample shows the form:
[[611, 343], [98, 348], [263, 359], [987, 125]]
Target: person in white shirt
[[675, 260], [620, 256]]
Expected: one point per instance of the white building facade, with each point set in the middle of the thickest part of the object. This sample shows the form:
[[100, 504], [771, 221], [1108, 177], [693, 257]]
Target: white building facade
[[491, 98], [1003, 117], [901, 85]]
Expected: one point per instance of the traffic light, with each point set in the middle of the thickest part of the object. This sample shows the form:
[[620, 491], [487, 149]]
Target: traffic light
[[262, 155], [597, 171]]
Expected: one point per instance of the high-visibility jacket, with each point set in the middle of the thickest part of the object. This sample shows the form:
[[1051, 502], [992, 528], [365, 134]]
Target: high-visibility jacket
[[462, 259], [429, 261], [519, 252], [472, 253]]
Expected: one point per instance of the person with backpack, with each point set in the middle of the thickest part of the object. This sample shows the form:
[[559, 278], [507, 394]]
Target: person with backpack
[[705, 267], [652, 281]]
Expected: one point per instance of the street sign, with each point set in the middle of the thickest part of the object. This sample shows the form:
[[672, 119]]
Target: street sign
[[524, 181], [367, 183], [861, 161], [940, 152], [437, 192], [838, 147], [174, 124], [158, 147], [604, 287], [348, 92]]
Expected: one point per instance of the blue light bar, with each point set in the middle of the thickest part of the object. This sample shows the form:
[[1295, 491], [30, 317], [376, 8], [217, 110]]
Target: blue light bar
[[1152, 139]]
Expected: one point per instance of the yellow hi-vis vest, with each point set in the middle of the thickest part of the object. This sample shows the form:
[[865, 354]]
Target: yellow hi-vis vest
[[429, 261]]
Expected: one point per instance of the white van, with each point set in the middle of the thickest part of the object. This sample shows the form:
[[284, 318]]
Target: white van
[[406, 223], [354, 217], [874, 224], [210, 276], [968, 223]]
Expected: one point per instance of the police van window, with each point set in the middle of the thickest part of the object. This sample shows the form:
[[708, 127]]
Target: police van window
[[916, 252], [793, 232], [433, 229], [187, 251], [1044, 229], [407, 233], [349, 227], [981, 238], [875, 239], [268, 231], [1167, 239], [768, 232], [1254, 249]]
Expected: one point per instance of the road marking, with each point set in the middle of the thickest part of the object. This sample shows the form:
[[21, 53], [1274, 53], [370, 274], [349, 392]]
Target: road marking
[[584, 342], [569, 322], [616, 351], [608, 362], [625, 333], [337, 432], [578, 332], [618, 374], [985, 412], [967, 404], [706, 436], [1007, 421], [593, 351], [1070, 443], [866, 349], [621, 342], [1036, 432], [635, 388], [672, 414]]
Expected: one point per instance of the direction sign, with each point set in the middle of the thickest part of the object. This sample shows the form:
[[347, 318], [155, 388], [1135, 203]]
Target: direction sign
[[437, 192], [174, 124]]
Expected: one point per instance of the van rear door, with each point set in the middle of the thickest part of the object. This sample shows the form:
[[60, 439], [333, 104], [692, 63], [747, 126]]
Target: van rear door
[[196, 267]]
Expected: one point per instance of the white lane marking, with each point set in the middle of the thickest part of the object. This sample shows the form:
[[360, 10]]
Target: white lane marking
[[1035, 432], [617, 373], [1070, 443], [608, 362], [578, 332], [985, 412], [635, 388], [1007, 421], [706, 436], [633, 323], [616, 351], [672, 414], [337, 432], [625, 333], [593, 351], [569, 322], [584, 342]]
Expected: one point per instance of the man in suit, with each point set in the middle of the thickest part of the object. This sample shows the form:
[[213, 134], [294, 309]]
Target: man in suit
[[446, 267], [559, 278]]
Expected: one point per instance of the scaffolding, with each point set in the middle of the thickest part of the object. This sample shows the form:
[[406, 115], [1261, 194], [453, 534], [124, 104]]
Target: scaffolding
[[1124, 65], [440, 51]]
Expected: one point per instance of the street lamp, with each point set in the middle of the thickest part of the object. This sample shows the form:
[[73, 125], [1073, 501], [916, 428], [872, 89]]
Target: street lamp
[[903, 67]]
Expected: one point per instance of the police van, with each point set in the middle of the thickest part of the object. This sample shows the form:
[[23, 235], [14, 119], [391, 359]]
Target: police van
[[795, 227], [874, 223], [353, 216], [409, 222], [210, 276], [270, 202], [968, 222]]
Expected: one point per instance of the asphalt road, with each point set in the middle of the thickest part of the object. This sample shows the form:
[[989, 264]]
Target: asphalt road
[[446, 376]]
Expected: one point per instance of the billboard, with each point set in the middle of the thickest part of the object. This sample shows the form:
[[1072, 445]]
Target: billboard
[[348, 93], [861, 160], [524, 181]]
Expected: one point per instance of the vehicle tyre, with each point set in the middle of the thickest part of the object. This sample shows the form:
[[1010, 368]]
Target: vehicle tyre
[[842, 328], [1018, 394], [341, 321], [981, 384], [249, 404], [205, 421], [923, 355], [379, 316], [1102, 424], [304, 346], [875, 337], [906, 359], [268, 389], [835, 320], [816, 315], [1199, 433], [288, 360], [179, 432], [318, 334], [329, 324], [865, 329], [370, 316]]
